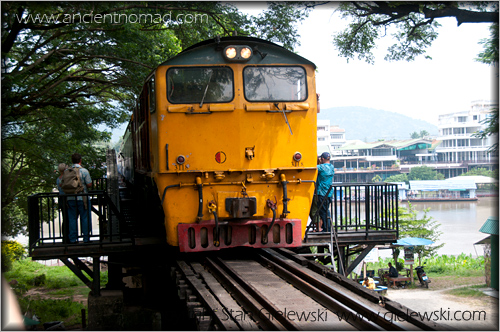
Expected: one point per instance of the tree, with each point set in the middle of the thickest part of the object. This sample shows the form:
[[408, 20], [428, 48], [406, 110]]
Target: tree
[[424, 173], [412, 24], [411, 225], [424, 133], [397, 178], [490, 56], [70, 68], [481, 171], [414, 135]]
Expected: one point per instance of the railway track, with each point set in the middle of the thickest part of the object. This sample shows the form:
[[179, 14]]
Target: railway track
[[271, 290]]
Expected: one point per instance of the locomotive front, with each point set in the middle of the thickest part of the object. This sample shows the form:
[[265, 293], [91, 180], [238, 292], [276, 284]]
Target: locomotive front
[[228, 133]]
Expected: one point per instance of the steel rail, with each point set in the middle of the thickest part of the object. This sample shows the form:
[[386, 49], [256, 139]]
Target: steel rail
[[265, 303], [208, 299], [326, 300], [321, 291], [243, 297]]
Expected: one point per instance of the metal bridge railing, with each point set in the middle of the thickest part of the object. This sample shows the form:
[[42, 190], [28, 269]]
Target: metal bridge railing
[[48, 219], [363, 207]]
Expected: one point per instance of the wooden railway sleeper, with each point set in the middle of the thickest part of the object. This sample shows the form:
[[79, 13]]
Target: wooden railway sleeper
[[264, 302], [202, 305], [325, 291], [243, 297], [324, 299]]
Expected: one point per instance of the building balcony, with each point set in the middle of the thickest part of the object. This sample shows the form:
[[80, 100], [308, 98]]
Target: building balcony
[[461, 149]]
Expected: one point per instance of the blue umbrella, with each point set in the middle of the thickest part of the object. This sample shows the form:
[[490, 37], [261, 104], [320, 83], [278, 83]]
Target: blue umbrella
[[413, 241]]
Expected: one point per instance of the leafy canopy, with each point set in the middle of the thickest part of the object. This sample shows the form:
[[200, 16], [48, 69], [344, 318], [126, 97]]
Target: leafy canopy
[[424, 173], [424, 226], [412, 25]]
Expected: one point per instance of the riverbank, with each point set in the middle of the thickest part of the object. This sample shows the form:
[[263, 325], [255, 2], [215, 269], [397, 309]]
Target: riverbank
[[44, 298], [441, 304]]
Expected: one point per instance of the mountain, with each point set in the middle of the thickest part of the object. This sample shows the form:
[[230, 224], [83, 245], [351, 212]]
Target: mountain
[[369, 125]]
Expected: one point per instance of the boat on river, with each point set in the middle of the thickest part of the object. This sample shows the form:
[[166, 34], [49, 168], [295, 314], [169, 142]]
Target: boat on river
[[454, 189]]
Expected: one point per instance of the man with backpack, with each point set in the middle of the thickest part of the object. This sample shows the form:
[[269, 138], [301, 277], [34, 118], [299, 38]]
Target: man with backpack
[[76, 180]]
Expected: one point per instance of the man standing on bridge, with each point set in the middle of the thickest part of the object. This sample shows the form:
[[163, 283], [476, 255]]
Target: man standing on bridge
[[77, 205], [325, 179]]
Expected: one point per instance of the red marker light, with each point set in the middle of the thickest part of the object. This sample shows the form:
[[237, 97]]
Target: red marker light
[[297, 156], [180, 160]]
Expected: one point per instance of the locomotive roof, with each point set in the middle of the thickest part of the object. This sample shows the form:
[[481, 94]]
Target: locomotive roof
[[202, 53]]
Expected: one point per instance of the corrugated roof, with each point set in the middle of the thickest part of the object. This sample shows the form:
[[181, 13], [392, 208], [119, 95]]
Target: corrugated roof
[[448, 184], [397, 144], [477, 178], [490, 226]]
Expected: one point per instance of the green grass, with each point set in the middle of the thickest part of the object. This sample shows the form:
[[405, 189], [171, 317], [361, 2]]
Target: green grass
[[462, 265], [57, 282], [69, 292], [29, 273], [467, 291], [49, 310]]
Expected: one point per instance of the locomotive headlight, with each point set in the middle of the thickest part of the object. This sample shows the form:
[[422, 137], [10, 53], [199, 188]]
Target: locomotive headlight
[[180, 159], [230, 52], [239, 53], [297, 156], [246, 53]]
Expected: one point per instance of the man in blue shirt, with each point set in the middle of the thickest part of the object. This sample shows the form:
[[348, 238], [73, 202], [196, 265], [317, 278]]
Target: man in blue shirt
[[325, 179], [77, 207]]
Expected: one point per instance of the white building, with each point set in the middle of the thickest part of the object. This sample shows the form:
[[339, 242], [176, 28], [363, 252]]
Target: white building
[[456, 131], [337, 139], [324, 136]]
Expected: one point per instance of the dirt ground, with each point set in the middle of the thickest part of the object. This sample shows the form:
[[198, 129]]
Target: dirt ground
[[455, 312]]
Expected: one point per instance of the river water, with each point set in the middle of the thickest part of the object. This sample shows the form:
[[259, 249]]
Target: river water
[[460, 223]]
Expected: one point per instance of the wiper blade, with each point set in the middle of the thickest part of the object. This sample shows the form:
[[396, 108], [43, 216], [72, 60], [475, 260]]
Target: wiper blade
[[284, 115], [206, 89]]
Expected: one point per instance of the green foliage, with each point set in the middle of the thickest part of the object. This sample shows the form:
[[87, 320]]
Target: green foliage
[[48, 310], [492, 129], [422, 134], [11, 251], [424, 173], [481, 171], [398, 178], [411, 225], [466, 292], [278, 22], [461, 265], [28, 273], [490, 53], [68, 71], [376, 178], [411, 25]]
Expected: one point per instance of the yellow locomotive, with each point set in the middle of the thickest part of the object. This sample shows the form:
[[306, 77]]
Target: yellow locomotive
[[223, 138]]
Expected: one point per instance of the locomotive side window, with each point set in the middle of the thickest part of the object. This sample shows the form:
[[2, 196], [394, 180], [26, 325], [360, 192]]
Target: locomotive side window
[[275, 83], [200, 85]]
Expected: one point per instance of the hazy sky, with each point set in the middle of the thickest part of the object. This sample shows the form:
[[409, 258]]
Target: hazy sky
[[421, 89]]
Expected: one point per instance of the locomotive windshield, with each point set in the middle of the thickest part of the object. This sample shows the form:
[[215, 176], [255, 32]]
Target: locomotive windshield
[[200, 85], [275, 83]]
